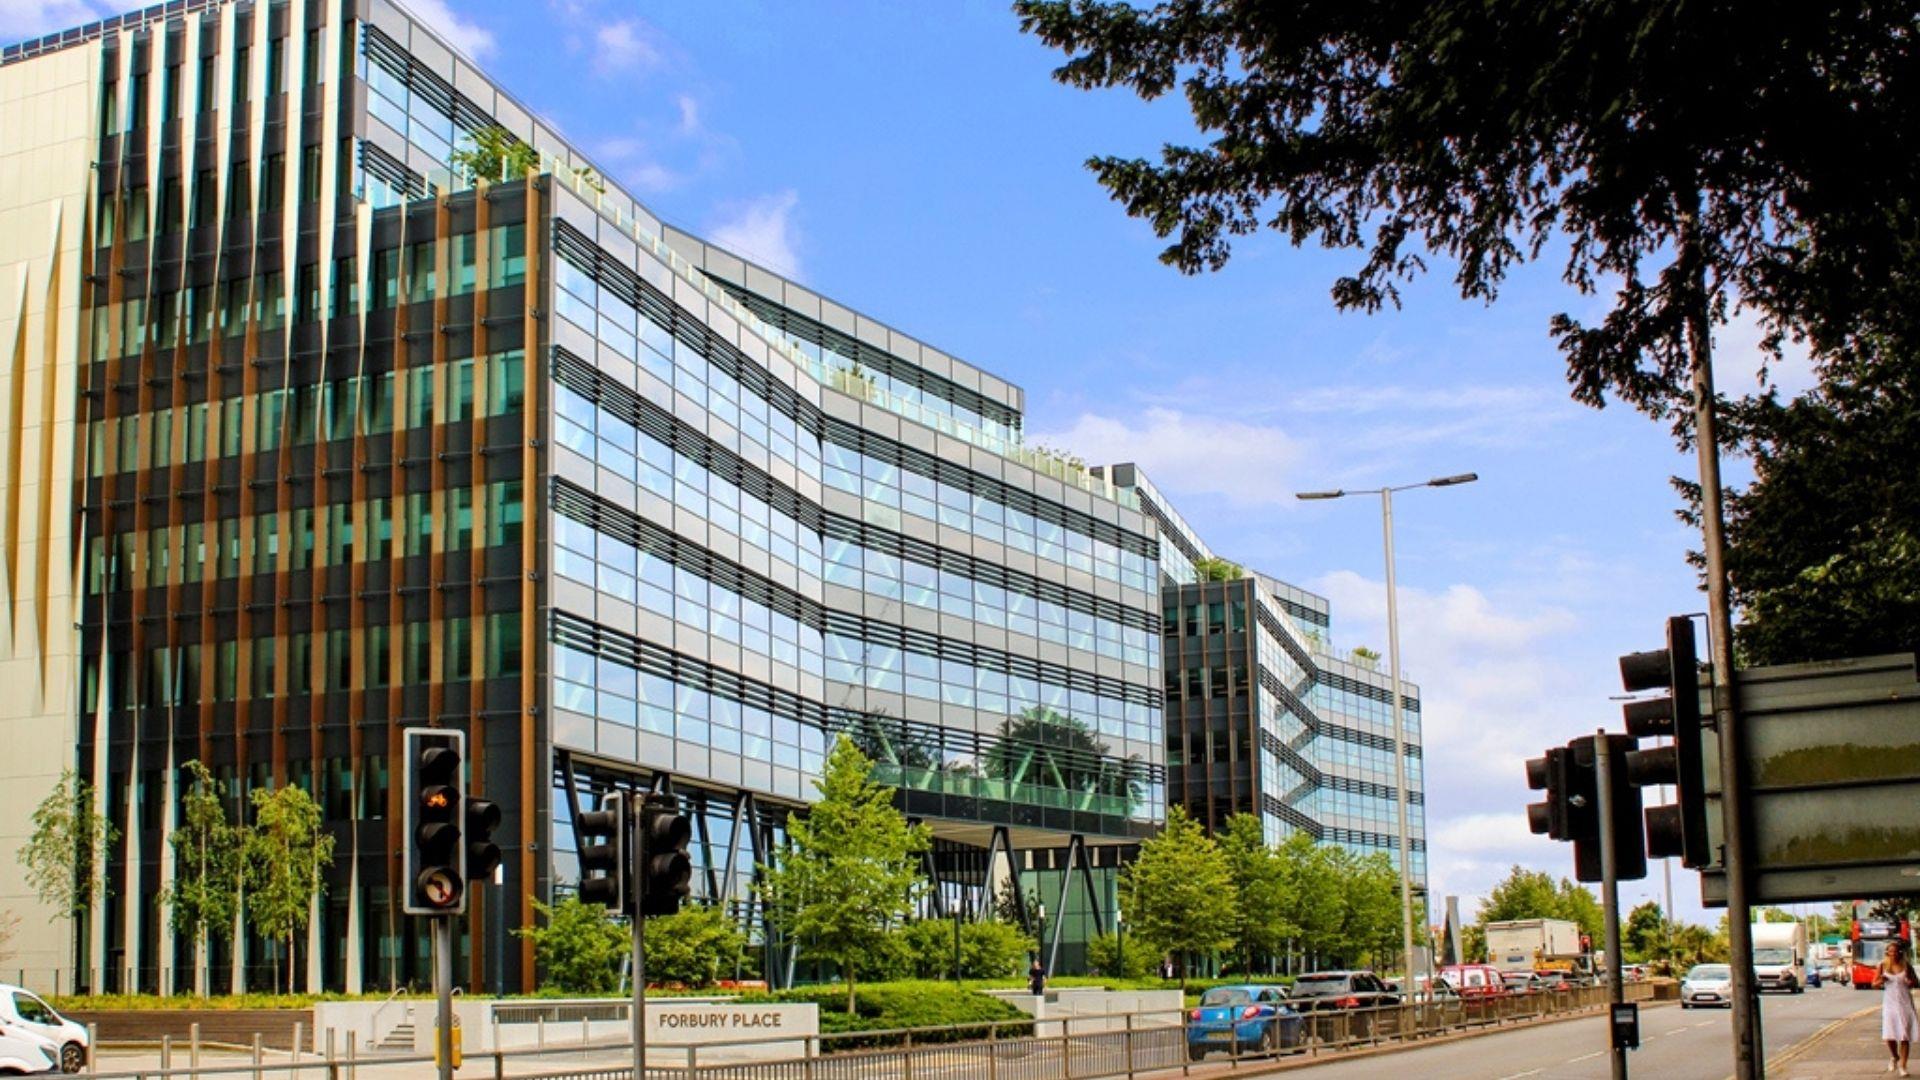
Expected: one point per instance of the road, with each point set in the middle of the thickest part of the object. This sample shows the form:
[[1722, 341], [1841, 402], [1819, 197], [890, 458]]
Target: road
[[1675, 1044]]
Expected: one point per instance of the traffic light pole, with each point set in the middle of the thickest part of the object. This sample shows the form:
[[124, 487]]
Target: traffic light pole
[[1748, 1063], [1609, 889], [443, 995], [639, 994]]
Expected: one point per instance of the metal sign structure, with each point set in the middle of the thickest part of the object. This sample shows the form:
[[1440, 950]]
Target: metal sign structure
[[1833, 767]]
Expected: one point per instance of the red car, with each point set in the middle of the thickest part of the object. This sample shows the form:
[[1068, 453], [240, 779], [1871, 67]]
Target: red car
[[1474, 980]]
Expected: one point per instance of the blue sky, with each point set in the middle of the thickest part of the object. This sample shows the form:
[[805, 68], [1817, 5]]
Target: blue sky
[[917, 163]]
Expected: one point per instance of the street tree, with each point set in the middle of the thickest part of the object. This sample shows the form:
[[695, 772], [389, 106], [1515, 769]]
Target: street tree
[[1823, 546], [1179, 893], [495, 155], [204, 895], [65, 856], [1370, 903], [1645, 934], [1522, 894], [577, 947], [1318, 900], [1685, 157], [286, 854], [1262, 923], [850, 869]]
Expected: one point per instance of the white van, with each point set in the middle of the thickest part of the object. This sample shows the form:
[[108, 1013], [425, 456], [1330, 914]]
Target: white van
[[22, 1013], [21, 1055]]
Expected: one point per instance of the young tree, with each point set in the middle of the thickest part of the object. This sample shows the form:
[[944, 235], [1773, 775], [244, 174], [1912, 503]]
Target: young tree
[[66, 856], [1179, 891], [1313, 881], [207, 859], [1579, 905], [286, 854], [850, 870], [694, 947], [1371, 904], [579, 949], [1522, 894], [1262, 925], [1645, 933]]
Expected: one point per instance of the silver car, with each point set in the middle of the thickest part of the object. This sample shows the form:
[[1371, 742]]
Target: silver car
[[1707, 986]]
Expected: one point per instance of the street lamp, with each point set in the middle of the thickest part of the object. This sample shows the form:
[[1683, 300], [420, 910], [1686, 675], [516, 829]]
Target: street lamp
[[1393, 668], [1120, 943]]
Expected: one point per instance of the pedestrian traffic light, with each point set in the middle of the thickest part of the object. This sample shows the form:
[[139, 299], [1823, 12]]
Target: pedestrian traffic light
[[1681, 828], [433, 868], [666, 871], [601, 838]]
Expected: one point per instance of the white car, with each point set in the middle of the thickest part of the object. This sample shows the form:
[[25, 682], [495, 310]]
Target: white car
[[22, 1013], [1707, 985], [23, 1054]]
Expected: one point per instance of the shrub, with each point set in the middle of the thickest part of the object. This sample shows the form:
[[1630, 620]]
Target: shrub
[[894, 1005], [1103, 955], [694, 947], [579, 948], [988, 950]]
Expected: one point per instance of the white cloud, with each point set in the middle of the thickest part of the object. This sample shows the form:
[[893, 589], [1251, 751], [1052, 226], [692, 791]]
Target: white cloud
[[763, 231], [463, 34], [623, 46], [1493, 693], [689, 113], [1739, 362], [1189, 454], [33, 18]]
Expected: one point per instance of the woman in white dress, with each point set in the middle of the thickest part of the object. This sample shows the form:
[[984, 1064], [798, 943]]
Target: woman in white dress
[[1899, 1024]]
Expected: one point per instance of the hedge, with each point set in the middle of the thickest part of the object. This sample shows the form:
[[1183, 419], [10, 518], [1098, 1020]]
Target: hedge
[[893, 1005]]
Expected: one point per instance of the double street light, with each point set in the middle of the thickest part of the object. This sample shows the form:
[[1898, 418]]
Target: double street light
[[1393, 668]]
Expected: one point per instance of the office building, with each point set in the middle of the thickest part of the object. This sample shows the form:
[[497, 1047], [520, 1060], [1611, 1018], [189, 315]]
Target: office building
[[314, 434], [1262, 716]]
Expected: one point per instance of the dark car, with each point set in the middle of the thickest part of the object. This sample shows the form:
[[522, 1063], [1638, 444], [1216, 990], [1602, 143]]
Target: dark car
[[1241, 1018], [1325, 995]]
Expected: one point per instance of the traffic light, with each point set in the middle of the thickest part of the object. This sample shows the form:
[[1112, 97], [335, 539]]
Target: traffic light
[[483, 855], [434, 867], [1629, 843], [665, 870], [1549, 774], [1681, 828], [601, 836]]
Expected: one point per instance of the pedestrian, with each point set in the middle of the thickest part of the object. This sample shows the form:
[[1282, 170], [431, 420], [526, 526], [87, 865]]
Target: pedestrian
[[1899, 1024], [1036, 978]]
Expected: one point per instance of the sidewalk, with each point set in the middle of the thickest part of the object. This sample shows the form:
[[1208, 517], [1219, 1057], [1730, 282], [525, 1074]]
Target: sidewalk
[[1849, 1047]]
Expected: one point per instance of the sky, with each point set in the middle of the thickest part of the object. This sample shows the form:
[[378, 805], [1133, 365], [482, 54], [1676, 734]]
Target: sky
[[918, 163]]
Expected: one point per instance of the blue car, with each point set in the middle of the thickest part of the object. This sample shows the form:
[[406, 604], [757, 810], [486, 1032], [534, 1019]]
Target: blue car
[[1243, 1019]]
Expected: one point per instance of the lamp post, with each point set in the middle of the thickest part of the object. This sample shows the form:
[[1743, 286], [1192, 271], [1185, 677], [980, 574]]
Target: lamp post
[[1393, 667], [1120, 943]]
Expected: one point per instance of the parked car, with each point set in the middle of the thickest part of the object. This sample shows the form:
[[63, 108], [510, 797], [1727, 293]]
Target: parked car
[[1238, 1019], [23, 1055], [1550, 981], [23, 1013], [1707, 986], [1520, 982], [1474, 980]]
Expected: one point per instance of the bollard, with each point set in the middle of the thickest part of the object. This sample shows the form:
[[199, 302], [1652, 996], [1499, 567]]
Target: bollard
[[166, 1052], [93, 1049], [1129, 1046], [540, 1031], [352, 1053], [333, 1066], [193, 1046], [256, 1056], [586, 1036], [299, 1036]]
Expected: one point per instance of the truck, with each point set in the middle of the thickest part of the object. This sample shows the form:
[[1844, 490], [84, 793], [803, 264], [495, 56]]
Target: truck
[[1535, 945], [1780, 956]]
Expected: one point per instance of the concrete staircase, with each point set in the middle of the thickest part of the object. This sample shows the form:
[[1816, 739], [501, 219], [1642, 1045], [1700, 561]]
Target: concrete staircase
[[400, 1038]]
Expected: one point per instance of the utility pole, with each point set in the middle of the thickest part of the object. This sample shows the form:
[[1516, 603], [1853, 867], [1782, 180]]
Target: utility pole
[[639, 987], [1748, 1063], [1399, 742], [1609, 890]]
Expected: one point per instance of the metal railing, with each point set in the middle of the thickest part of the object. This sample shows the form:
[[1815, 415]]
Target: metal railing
[[1085, 1047]]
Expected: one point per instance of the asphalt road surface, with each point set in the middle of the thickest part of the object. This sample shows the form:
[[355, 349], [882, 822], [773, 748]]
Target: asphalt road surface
[[1675, 1044]]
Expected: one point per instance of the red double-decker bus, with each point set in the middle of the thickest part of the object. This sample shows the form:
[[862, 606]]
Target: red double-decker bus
[[1870, 940]]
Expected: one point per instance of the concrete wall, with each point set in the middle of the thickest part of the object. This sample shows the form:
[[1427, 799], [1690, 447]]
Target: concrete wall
[[46, 181]]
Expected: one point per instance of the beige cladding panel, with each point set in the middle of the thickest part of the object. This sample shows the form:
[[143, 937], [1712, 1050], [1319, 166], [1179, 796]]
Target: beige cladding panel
[[45, 177]]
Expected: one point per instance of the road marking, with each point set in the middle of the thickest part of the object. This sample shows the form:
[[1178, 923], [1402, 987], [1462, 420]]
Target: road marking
[[1703, 1023], [1518, 1075], [1585, 1057]]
